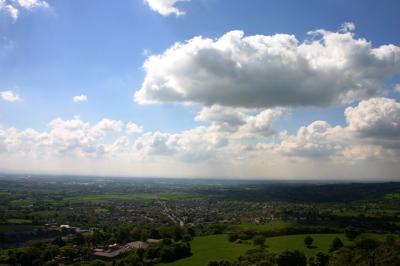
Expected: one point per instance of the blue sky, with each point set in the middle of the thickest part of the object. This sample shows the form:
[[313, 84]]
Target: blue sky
[[49, 54]]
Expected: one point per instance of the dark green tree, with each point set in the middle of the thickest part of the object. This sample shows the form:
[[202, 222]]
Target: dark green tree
[[322, 259], [336, 244], [351, 233], [308, 240], [291, 258], [259, 240]]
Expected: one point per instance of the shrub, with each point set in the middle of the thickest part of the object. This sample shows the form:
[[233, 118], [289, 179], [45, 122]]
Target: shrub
[[308, 240], [336, 244]]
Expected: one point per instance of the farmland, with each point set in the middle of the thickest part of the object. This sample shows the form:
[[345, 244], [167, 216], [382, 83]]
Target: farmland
[[214, 247], [98, 198], [193, 222]]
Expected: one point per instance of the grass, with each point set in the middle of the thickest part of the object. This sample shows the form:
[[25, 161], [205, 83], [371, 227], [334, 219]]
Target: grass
[[269, 226], [217, 247], [371, 212], [322, 242], [206, 248], [43, 214], [392, 196], [19, 221], [21, 203], [16, 227], [100, 210], [130, 197]]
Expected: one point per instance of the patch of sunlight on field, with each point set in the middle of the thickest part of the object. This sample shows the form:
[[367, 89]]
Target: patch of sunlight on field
[[206, 248]]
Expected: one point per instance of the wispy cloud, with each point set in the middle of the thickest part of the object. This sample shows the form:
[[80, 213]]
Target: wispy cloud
[[166, 7], [9, 96], [12, 8], [79, 98], [397, 88]]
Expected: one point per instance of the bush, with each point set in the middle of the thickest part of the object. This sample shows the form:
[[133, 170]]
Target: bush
[[322, 259], [257, 257], [367, 243], [336, 244], [219, 263], [308, 240], [291, 258], [259, 240], [351, 233], [175, 251]]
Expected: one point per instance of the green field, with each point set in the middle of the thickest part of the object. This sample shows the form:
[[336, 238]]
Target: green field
[[19, 221], [269, 226], [206, 248], [321, 242], [130, 197], [217, 247], [392, 196], [43, 214], [21, 203], [16, 227]]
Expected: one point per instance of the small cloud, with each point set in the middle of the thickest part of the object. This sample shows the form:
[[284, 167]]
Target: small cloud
[[107, 124], [347, 27], [9, 96], [29, 4], [12, 8], [397, 88], [166, 7], [80, 98], [146, 52], [132, 128], [12, 11]]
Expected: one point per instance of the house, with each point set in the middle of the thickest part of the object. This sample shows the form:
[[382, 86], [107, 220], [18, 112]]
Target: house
[[137, 245], [153, 241], [115, 250]]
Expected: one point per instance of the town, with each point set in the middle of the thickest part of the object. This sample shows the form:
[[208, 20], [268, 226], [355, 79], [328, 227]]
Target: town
[[92, 220]]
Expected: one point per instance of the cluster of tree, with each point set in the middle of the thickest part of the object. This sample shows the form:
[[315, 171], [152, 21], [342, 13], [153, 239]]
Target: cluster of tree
[[363, 251], [304, 192], [203, 229], [131, 232], [261, 257], [124, 233], [247, 234], [12, 239], [367, 251], [384, 222], [38, 254], [166, 251]]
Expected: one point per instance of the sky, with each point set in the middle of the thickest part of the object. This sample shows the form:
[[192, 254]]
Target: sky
[[201, 88]]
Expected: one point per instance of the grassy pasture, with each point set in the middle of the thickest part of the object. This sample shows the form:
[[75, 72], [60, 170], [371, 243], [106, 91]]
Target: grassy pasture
[[322, 242], [16, 227], [217, 247], [214, 247], [19, 221], [21, 203], [130, 197], [269, 226]]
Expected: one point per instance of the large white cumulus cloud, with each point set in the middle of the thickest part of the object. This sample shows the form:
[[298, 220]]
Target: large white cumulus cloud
[[231, 138], [266, 71], [65, 137], [198, 144], [377, 118], [239, 122], [317, 140], [373, 131]]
